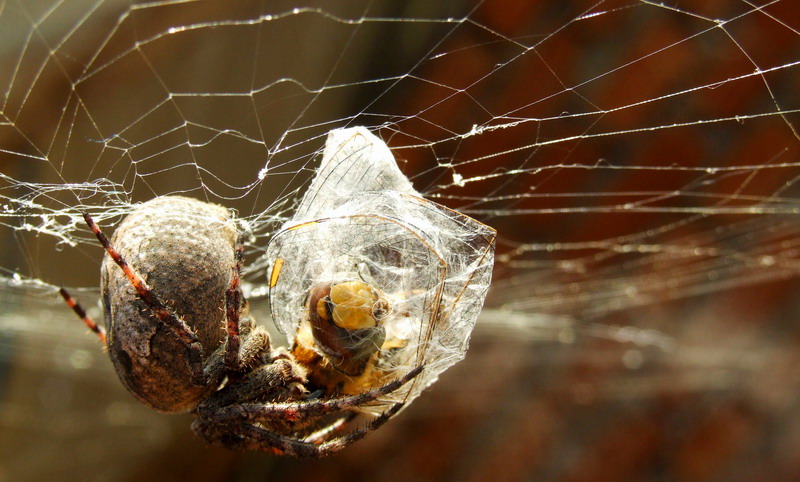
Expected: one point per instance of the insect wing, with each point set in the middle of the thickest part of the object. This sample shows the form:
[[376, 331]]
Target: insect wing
[[432, 264], [354, 161]]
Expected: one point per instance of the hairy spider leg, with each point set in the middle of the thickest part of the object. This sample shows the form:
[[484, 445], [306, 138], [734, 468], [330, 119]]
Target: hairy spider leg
[[293, 411], [156, 305], [322, 434], [244, 435], [78, 309], [233, 301], [278, 380], [242, 348], [234, 425]]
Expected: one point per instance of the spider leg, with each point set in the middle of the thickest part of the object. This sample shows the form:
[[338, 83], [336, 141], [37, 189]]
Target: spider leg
[[156, 305], [295, 411], [320, 435], [78, 309], [233, 300], [254, 345], [246, 436], [239, 354], [246, 344], [280, 380]]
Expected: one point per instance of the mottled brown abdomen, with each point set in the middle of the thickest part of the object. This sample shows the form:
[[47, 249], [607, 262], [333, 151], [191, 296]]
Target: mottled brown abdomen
[[184, 250]]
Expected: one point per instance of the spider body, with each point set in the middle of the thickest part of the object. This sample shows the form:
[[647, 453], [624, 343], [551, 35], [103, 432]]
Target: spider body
[[184, 250], [181, 339]]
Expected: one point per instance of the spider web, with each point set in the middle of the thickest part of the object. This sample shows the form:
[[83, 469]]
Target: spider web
[[638, 159]]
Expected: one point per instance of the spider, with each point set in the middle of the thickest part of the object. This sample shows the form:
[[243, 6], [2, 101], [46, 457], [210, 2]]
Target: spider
[[181, 338]]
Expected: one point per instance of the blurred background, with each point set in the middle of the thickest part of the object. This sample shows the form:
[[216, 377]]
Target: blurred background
[[639, 160]]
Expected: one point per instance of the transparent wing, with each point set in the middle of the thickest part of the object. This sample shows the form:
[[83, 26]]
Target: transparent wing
[[355, 160], [432, 264]]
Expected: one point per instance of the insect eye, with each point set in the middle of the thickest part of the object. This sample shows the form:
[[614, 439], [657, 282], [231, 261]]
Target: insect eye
[[324, 308]]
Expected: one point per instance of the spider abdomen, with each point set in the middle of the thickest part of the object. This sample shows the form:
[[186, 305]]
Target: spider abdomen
[[184, 250]]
